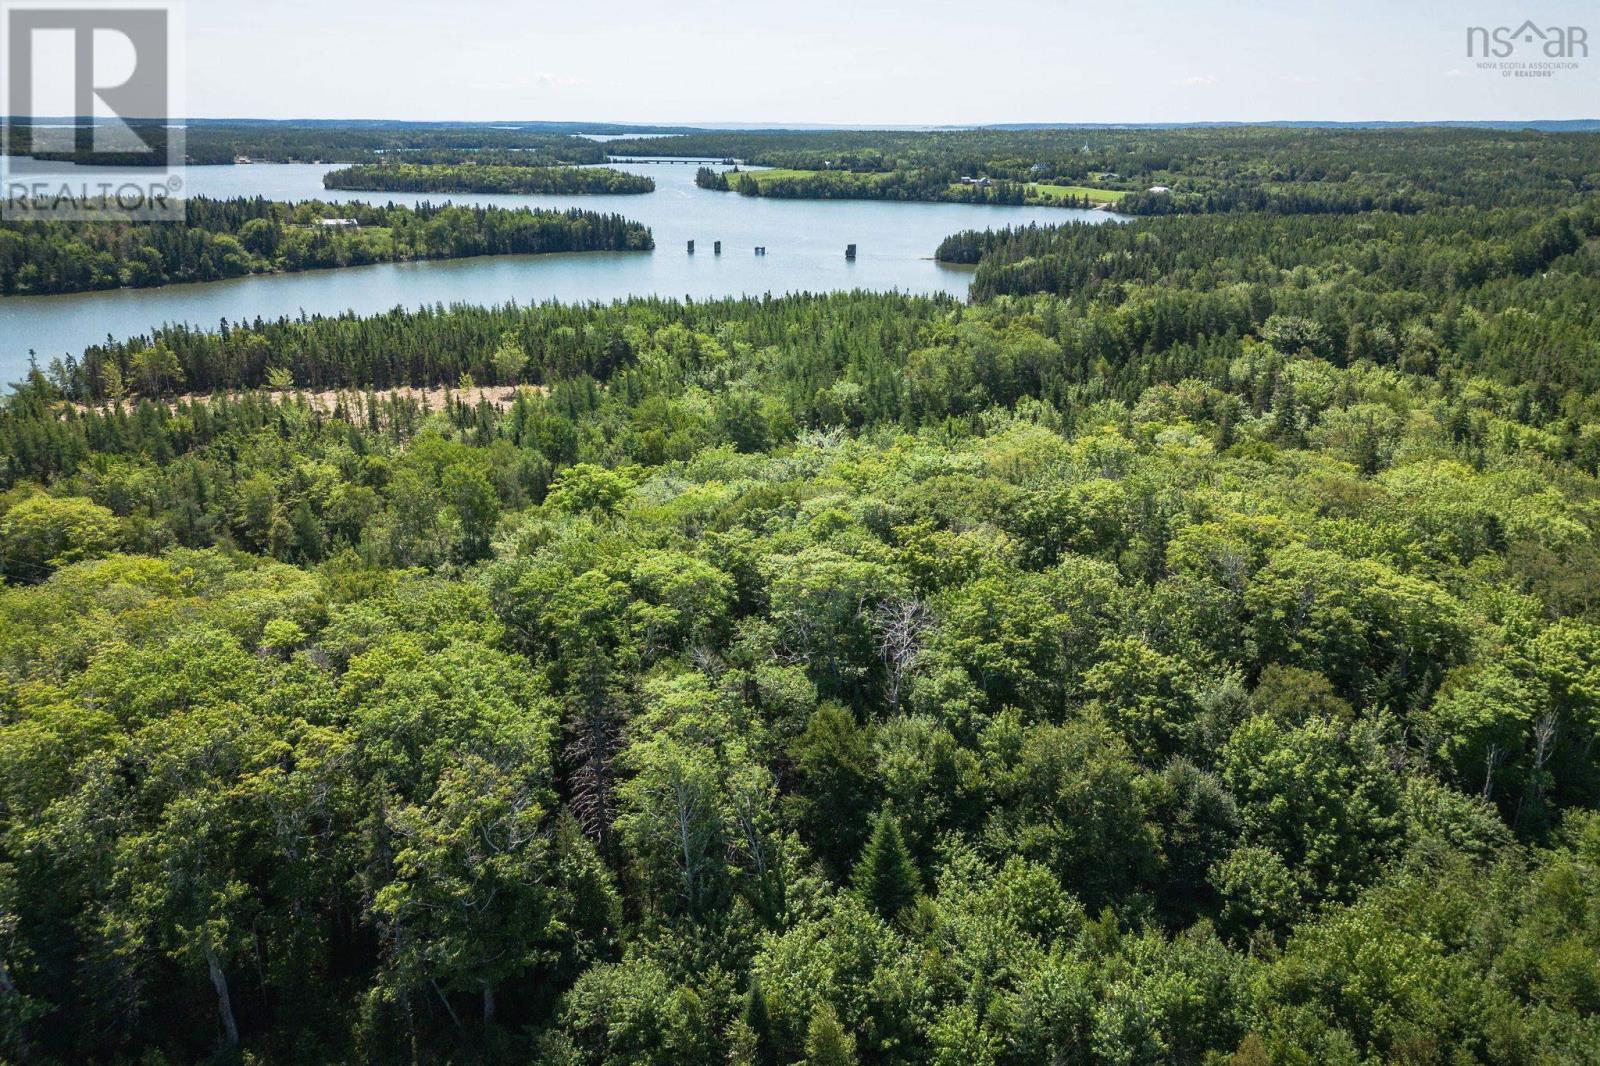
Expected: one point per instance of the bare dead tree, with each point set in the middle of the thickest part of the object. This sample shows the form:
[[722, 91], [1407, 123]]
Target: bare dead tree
[[707, 661], [1544, 734], [593, 737], [898, 624], [592, 743], [1491, 764], [750, 845]]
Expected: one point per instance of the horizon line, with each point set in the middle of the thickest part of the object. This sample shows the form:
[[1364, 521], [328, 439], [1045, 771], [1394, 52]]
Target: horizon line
[[735, 126]]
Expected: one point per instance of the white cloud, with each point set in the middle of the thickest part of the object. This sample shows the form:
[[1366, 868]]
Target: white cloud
[[1199, 81]]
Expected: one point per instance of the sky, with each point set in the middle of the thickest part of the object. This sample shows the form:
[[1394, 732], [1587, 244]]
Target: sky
[[871, 62]]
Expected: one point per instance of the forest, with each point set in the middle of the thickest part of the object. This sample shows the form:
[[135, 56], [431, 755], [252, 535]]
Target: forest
[[232, 238], [221, 143], [486, 178], [1186, 650], [1254, 169], [888, 185]]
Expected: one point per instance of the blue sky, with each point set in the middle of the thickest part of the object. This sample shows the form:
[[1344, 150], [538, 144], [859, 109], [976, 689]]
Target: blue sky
[[869, 61]]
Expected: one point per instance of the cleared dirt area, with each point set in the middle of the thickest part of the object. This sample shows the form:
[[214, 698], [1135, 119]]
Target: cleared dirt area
[[432, 398]]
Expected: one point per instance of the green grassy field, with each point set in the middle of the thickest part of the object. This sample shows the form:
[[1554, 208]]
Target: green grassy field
[[1057, 192], [776, 173]]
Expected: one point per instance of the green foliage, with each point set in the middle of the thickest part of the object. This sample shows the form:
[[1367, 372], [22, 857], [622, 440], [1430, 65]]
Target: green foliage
[[834, 766], [509, 359], [1320, 795], [1194, 661], [40, 533], [486, 178], [220, 142], [884, 876], [231, 238], [827, 1044], [1211, 170]]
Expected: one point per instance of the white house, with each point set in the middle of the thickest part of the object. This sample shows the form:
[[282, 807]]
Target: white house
[[339, 222], [1159, 188]]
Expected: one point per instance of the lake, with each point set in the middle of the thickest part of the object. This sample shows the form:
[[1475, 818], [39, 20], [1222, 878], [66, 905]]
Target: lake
[[805, 242]]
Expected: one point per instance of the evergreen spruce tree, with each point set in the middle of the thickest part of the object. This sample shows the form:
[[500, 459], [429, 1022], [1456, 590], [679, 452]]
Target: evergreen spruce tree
[[758, 1021], [886, 878]]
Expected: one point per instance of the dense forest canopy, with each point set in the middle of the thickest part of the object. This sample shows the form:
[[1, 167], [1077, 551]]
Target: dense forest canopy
[[1284, 170], [1507, 292], [1188, 651], [888, 185], [231, 238], [221, 143], [482, 178]]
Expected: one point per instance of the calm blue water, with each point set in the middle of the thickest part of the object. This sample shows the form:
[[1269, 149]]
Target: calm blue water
[[805, 241]]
